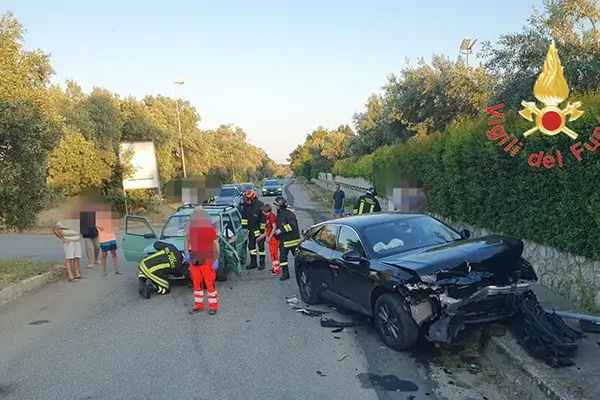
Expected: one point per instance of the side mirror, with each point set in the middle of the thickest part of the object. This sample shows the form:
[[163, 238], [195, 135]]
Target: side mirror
[[149, 236], [465, 233], [352, 255], [304, 232]]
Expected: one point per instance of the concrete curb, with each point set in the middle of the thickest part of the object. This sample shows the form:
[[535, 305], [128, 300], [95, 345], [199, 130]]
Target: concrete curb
[[15, 291], [531, 375]]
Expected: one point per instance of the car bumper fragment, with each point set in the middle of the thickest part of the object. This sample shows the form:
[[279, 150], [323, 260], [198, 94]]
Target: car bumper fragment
[[449, 315]]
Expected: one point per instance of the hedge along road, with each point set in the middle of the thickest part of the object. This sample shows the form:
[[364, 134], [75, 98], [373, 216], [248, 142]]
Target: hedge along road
[[99, 339]]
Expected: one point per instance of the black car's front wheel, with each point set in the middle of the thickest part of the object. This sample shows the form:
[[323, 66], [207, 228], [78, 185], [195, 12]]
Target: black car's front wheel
[[394, 322], [307, 287]]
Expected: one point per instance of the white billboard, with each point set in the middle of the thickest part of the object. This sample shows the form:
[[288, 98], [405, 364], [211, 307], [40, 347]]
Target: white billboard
[[143, 161]]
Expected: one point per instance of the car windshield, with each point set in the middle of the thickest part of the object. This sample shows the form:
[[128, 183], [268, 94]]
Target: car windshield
[[176, 226], [228, 192], [402, 235], [247, 186], [271, 183]]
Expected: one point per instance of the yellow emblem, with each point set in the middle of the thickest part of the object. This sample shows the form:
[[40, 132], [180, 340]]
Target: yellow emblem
[[551, 89]]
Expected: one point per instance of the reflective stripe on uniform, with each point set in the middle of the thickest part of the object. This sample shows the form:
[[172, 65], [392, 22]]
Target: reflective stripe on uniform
[[253, 252], [262, 253], [148, 274], [361, 208], [291, 243], [287, 228], [198, 296], [257, 233], [244, 222], [283, 264], [263, 226]]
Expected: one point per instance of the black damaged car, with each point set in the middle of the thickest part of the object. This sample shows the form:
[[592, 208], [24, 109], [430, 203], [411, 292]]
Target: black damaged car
[[412, 274]]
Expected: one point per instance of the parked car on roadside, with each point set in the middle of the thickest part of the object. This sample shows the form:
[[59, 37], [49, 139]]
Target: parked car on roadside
[[272, 187], [229, 196], [411, 273], [238, 186], [140, 235], [249, 186]]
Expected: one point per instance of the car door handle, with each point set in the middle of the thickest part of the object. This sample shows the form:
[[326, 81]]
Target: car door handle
[[333, 266]]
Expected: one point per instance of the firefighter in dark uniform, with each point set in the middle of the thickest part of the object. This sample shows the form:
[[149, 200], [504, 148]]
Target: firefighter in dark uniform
[[287, 233], [155, 269], [255, 222], [367, 203]]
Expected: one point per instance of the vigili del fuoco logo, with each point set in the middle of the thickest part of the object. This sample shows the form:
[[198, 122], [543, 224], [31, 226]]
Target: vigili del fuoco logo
[[550, 89]]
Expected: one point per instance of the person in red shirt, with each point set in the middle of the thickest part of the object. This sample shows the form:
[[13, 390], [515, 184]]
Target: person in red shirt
[[271, 240], [202, 252]]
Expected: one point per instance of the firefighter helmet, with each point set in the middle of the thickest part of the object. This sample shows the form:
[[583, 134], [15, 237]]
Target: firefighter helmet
[[280, 201], [372, 190], [250, 195]]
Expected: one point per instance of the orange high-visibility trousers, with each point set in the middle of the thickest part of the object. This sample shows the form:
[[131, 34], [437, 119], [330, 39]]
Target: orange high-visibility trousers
[[204, 273], [274, 254]]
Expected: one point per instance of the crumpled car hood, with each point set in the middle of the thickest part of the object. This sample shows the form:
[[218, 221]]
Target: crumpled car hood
[[505, 250]]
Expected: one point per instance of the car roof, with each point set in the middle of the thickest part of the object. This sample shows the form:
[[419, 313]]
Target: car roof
[[365, 220], [211, 210], [271, 180]]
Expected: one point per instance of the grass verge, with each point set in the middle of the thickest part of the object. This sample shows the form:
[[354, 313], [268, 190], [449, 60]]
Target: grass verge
[[15, 271], [322, 198]]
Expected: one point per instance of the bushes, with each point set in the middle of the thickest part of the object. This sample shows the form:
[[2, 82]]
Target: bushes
[[469, 178]]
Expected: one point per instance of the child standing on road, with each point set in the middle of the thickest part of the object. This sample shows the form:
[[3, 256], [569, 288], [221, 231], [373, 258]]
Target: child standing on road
[[271, 240], [108, 240]]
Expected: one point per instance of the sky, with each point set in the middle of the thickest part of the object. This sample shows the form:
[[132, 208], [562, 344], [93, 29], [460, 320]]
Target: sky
[[278, 69]]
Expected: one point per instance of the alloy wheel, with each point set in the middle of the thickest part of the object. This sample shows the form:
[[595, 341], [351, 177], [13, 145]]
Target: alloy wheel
[[305, 284], [389, 323]]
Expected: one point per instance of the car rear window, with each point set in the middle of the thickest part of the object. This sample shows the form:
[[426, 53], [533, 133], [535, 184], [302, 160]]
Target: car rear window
[[228, 192]]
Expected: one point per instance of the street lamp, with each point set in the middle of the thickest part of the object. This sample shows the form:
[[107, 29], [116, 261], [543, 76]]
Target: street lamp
[[175, 83], [466, 48]]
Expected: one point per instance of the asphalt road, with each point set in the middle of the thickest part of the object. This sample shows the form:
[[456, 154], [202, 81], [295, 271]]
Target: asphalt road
[[98, 339]]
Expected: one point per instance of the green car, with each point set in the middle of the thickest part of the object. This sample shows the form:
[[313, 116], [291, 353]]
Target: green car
[[140, 236]]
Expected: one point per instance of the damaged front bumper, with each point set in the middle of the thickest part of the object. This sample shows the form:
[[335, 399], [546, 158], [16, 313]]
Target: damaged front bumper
[[444, 317]]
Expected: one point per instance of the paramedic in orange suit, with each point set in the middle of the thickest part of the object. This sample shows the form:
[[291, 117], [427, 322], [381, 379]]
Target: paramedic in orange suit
[[201, 252], [271, 227]]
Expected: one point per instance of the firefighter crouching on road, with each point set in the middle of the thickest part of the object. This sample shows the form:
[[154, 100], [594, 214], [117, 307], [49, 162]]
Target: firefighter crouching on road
[[271, 239], [254, 221], [367, 203], [155, 269], [202, 252], [287, 233]]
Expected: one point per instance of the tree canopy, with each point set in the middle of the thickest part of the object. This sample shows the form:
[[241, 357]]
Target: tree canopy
[[57, 138], [430, 121]]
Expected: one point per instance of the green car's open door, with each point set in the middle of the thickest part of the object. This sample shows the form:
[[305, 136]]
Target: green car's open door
[[229, 257], [139, 234]]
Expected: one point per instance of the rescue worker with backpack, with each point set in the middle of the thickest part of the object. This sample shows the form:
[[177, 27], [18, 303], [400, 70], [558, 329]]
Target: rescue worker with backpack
[[155, 269], [287, 233], [367, 203], [254, 221]]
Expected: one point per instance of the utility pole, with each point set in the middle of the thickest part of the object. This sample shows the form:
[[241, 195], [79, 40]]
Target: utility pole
[[466, 48], [175, 83]]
